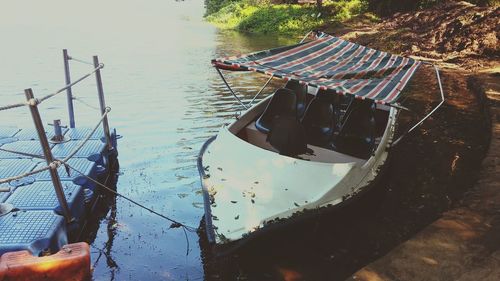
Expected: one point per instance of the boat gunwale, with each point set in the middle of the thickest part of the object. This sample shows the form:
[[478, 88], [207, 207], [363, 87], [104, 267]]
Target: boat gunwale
[[224, 249], [239, 124]]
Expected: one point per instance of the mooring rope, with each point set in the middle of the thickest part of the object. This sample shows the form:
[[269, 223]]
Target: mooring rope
[[85, 103], [84, 141], [11, 106], [56, 163], [6, 180], [71, 84], [37, 101], [22, 153], [80, 61], [175, 223]]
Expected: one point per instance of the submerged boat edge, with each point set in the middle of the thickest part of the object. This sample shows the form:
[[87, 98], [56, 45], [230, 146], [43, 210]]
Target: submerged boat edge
[[209, 229], [224, 249]]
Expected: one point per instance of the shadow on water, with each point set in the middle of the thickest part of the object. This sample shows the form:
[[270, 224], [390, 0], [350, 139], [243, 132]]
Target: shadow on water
[[428, 173], [103, 210], [167, 100]]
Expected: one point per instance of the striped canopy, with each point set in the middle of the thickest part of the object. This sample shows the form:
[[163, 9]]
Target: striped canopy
[[330, 63]]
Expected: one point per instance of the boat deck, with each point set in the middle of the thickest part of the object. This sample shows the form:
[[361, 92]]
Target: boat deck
[[317, 154], [36, 224]]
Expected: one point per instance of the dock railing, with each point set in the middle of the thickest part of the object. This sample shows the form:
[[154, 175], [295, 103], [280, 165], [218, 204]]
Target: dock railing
[[52, 163]]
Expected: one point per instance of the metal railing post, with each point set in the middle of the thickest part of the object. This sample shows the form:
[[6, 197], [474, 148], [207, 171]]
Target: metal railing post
[[102, 103], [69, 93], [48, 154], [58, 136]]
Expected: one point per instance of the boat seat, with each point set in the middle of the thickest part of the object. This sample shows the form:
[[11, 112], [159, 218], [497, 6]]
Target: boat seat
[[282, 103], [319, 120], [287, 135], [314, 153], [357, 134], [301, 92]]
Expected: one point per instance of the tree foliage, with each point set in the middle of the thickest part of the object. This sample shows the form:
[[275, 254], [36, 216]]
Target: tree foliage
[[389, 7]]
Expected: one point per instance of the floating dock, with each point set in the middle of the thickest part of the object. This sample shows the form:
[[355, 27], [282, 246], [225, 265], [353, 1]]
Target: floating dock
[[48, 185], [36, 223]]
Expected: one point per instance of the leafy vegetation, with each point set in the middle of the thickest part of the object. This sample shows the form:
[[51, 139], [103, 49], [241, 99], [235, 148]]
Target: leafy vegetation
[[389, 7], [287, 17], [282, 18]]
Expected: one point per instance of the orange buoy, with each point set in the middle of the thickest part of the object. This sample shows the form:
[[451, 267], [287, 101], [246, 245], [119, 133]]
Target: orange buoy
[[72, 262]]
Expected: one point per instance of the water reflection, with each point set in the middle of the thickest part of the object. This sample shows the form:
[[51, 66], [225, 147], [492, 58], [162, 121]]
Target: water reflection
[[167, 100], [429, 171], [112, 227]]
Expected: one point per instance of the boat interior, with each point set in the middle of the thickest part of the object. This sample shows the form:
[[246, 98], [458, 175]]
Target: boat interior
[[315, 125]]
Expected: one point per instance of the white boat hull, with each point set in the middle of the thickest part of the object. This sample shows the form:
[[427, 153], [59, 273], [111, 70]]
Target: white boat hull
[[247, 188]]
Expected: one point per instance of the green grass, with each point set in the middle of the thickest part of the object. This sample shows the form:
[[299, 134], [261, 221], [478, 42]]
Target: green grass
[[282, 18]]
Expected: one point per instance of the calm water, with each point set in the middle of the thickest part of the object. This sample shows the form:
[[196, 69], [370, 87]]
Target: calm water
[[166, 101]]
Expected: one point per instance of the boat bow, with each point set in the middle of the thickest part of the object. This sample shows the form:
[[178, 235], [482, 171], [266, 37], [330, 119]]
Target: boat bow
[[249, 186]]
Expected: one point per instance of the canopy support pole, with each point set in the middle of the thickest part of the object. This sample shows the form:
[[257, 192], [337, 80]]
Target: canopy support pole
[[261, 89], [430, 113], [305, 37], [230, 89], [399, 106]]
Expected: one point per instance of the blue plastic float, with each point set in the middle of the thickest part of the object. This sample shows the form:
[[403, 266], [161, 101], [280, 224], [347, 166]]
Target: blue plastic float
[[37, 224]]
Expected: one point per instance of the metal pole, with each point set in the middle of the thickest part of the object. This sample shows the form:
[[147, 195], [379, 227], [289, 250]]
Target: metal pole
[[230, 89], [69, 93], [261, 89], [48, 154], [436, 69], [58, 136], [102, 103]]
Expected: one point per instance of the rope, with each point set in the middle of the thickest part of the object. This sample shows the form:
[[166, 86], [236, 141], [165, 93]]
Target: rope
[[85, 103], [175, 223], [71, 84], [40, 100], [84, 141], [22, 153], [6, 180], [80, 61], [55, 164], [11, 106]]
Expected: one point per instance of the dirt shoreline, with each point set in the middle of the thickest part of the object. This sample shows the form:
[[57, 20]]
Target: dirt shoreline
[[464, 244], [456, 35], [433, 169]]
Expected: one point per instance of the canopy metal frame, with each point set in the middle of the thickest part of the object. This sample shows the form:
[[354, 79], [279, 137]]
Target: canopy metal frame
[[395, 105], [249, 104], [416, 125]]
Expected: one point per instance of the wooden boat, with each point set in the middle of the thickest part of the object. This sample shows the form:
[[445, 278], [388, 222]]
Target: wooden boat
[[315, 143]]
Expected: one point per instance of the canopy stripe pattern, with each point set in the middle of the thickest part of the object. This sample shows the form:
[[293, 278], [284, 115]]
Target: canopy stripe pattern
[[333, 64]]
